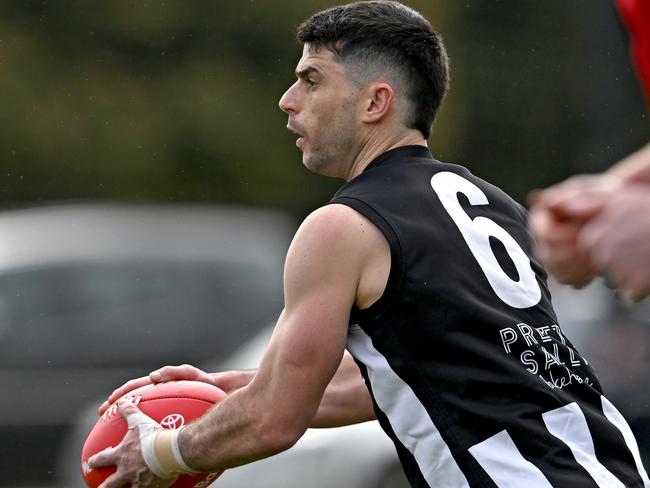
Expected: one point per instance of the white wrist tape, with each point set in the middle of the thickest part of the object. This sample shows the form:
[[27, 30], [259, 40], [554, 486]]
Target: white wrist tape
[[168, 454], [159, 447]]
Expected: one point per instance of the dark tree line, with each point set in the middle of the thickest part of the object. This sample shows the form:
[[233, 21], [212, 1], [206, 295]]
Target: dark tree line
[[177, 100]]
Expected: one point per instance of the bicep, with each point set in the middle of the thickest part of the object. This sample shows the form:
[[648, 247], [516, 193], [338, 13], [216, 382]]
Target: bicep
[[321, 279]]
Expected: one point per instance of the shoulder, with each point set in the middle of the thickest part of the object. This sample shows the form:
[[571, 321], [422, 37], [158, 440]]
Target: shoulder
[[337, 226], [337, 255], [334, 237]]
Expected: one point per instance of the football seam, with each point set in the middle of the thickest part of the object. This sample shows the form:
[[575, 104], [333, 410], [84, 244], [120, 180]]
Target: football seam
[[175, 398], [144, 400]]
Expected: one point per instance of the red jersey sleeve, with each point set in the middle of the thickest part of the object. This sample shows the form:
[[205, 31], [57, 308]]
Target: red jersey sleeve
[[636, 16]]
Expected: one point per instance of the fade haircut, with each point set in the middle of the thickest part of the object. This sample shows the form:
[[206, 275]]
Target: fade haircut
[[386, 38]]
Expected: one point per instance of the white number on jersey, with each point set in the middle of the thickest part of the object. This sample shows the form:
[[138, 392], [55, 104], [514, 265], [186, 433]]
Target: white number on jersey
[[524, 293]]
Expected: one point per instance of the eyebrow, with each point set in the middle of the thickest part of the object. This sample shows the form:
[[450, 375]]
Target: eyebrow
[[302, 73]]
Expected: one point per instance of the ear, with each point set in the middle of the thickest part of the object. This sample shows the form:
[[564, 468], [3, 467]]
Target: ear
[[379, 101]]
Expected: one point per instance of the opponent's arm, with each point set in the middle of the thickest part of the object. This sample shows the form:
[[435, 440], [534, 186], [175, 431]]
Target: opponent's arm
[[633, 168], [560, 214]]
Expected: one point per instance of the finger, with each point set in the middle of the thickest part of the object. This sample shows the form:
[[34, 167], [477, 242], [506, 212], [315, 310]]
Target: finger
[[564, 260], [637, 296], [103, 407], [133, 415], [589, 241], [548, 229], [128, 387], [116, 480], [166, 373], [541, 225], [552, 195], [576, 276], [581, 207], [534, 197], [104, 458], [634, 282], [182, 372], [582, 200], [630, 297], [174, 373]]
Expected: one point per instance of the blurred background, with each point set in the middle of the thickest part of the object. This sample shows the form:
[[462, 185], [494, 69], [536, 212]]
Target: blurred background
[[114, 114]]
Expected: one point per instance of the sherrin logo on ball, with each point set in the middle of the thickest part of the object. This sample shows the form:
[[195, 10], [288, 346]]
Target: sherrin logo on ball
[[172, 405]]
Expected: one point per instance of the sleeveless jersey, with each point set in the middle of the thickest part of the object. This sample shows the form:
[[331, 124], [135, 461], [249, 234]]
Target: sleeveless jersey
[[469, 371]]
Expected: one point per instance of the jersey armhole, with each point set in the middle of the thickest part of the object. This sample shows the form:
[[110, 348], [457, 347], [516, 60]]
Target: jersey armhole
[[397, 266]]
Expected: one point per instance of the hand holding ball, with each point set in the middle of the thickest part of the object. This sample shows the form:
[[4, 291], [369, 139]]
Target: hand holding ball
[[172, 405]]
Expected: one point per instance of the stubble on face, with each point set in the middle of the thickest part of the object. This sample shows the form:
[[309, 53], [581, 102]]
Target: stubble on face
[[329, 117], [332, 145]]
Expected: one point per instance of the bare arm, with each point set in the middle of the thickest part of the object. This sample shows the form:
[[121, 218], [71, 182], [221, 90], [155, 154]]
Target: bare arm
[[346, 399], [635, 167], [322, 274], [337, 260], [560, 214]]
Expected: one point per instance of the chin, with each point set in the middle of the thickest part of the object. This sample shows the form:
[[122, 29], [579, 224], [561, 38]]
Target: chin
[[309, 164], [319, 166]]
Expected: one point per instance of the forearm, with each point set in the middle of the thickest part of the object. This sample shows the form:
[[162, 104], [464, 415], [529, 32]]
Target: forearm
[[635, 167], [346, 399], [241, 429]]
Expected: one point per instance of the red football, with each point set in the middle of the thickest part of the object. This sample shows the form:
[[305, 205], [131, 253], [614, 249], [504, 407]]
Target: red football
[[170, 404]]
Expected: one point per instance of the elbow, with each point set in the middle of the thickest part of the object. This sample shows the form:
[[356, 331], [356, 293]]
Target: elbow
[[278, 435]]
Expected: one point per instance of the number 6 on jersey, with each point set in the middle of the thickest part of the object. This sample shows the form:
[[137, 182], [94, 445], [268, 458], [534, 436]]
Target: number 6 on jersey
[[477, 232]]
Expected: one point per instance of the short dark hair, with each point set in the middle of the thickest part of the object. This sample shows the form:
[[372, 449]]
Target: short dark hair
[[381, 35]]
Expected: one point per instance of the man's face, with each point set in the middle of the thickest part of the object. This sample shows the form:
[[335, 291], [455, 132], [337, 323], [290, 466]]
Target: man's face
[[323, 108]]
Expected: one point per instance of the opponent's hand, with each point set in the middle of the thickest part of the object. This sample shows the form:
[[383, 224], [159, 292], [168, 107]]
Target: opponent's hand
[[557, 247], [132, 470], [161, 375], [578, 198], [618, 240], [557, 216]]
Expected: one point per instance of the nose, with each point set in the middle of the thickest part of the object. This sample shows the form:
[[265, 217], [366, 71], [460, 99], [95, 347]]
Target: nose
[[289, 101]]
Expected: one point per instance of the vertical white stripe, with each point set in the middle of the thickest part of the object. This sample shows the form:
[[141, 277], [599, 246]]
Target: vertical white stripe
[[614, 416], [407, 416], [501, 459], [568, 424]]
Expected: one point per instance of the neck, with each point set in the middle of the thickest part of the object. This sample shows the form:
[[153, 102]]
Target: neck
[[378, 144]]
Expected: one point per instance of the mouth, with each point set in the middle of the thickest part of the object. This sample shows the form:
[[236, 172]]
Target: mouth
[[301, 138], [293, 130]]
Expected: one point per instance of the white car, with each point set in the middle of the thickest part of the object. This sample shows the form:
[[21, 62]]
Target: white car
[[355, 456], [94, 294]]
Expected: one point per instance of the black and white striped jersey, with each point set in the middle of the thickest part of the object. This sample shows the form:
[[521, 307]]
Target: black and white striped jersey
[[469, 370]]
